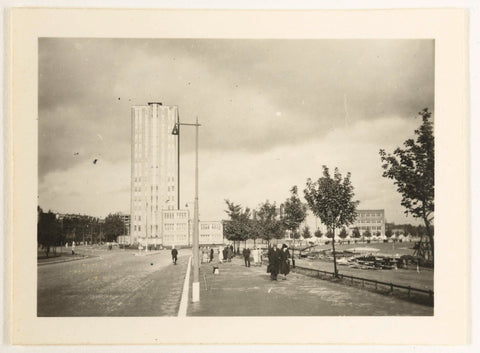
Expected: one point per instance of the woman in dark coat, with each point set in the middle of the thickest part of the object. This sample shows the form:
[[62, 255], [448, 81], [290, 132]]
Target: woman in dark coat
[[284, 261], [273, 262]]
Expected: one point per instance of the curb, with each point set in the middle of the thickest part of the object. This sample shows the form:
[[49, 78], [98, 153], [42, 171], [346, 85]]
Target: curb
[[61, 261], [182, 310]]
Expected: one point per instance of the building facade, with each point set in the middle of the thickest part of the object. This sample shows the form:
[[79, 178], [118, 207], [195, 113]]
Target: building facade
[[154, 170], [176, 228], [210, 233], [371, 220]]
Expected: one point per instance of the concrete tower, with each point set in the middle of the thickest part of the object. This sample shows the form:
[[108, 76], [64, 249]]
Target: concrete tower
[[154, 185]]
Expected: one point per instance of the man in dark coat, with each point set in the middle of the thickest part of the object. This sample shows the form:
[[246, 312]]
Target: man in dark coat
[[274, 261], [174, 255], [229, 253], [225, 253], [246, 256], [284, 261]]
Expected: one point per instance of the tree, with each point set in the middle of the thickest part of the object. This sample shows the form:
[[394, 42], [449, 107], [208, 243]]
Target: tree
[[356, 232], [112, 228], [255, 231], [343, 233], [366, 234], [239, 226], [331, 200], [318, 233], [306, 233], [329, 234], [294, 213], [48, 230], [413, 171], [270, 226], [388, 233]]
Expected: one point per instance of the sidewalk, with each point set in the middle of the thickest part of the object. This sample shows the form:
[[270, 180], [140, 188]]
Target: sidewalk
[[242, 291]]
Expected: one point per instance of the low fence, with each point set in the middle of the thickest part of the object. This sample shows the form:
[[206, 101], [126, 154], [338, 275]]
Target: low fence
[[389, 287]]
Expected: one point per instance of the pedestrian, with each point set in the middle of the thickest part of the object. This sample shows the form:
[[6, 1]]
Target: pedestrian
[[256, 256], [273, 262], [73, 247], [284, 261], [230, 253], [211, 255], [174, 255], [246, 256], [204, 256], [225, 254]]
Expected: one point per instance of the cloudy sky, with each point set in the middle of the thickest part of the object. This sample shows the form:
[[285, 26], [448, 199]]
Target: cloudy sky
[[272, 113]]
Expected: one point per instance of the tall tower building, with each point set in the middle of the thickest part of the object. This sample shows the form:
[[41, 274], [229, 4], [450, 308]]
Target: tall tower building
[[154, 187]]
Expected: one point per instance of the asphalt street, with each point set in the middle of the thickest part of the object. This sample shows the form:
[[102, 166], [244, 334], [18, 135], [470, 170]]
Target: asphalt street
[[112, 283], [121, 283]]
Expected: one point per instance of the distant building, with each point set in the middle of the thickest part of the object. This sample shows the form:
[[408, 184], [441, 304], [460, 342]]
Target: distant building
[[154, 179], [210, 232], [371, 220], [125, 217], [156, 217], [175, 228]]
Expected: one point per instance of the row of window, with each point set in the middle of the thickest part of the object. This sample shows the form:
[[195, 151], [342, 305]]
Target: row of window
[[171, 215], [175, 226], [210, 226], [361, 214], [370, 228]]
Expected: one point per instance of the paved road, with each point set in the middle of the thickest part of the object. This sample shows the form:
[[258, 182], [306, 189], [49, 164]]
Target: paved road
[[112, 283], [241, 291]]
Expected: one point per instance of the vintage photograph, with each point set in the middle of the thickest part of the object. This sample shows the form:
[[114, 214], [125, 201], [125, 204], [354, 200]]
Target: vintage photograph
[[235, 177]]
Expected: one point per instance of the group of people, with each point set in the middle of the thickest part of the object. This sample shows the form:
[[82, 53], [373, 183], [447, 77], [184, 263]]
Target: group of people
[[227, 253], [278, 261], [207, 254]]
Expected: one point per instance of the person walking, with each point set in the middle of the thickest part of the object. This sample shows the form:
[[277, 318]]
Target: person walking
[[225, 254], [174, 255], [284, 261], [211, 255], [229, 254], [273, 262], [246, 256]]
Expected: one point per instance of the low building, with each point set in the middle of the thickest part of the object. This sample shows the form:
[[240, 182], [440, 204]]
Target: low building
[[210, 232], [175, 228], [371, 220]]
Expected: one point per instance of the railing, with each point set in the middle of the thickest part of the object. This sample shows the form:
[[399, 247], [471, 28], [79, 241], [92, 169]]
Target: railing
[[354, 280]]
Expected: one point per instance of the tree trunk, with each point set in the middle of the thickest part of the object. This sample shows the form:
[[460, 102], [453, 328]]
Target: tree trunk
[[430, 238], [293, 253], [334, 255]]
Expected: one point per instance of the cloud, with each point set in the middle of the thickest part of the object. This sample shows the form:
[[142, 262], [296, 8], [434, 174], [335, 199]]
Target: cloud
[[235, 87], [272, 113]]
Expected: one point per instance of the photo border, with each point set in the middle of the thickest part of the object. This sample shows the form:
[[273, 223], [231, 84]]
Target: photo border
[[447, 27]]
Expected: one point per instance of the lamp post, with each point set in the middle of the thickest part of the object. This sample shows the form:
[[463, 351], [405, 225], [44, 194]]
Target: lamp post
[[195, 242]]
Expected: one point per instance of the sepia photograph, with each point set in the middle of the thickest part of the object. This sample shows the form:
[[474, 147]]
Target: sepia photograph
[[235, 177], [238, 177]]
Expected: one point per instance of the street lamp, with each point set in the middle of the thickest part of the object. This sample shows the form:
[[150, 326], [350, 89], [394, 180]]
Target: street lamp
[[195, 252]]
